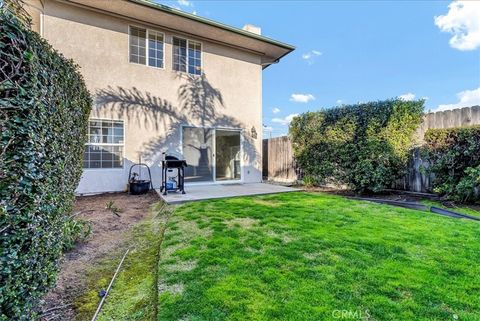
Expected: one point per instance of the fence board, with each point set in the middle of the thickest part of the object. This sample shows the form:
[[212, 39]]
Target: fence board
[[278, 160]]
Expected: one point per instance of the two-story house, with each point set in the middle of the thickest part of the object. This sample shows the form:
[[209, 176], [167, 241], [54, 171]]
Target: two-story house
[[163, 81]]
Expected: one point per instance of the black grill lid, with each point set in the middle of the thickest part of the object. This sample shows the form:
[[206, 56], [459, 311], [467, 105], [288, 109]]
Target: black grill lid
[[174, 162]]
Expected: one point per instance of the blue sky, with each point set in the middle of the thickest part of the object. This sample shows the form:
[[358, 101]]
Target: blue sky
[[353, 51]]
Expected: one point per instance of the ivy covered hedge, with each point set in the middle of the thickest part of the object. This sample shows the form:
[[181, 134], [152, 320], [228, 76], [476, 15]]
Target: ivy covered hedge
[[454, 158], [44, 109], [364, 146]]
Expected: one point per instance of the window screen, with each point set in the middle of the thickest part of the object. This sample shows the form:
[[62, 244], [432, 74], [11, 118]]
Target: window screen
[[179, 54], [104, 148], [155, 49], [138, 47]]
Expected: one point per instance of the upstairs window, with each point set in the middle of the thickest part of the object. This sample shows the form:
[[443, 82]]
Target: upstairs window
[[104, 148], [187, 56], [179, 54], [194, 57], [145, 52], [155, 49], [138, 46]]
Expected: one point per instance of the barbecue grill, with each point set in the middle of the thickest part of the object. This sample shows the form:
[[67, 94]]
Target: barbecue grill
[[172, 183]]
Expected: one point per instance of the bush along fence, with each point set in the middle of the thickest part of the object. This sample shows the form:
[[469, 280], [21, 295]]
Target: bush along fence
[[44, 107], [453, 159], [419, 178], [363, 146]]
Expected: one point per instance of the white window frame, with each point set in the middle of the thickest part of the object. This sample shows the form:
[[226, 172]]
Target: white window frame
[[187, 61], [107, 144], [201, 56], [147, 32]]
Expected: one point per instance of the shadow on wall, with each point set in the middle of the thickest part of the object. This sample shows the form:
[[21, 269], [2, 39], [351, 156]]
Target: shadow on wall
[[136, 106], [200, 105]]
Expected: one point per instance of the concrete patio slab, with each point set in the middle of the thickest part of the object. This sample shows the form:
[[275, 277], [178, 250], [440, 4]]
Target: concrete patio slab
[[205, 192]]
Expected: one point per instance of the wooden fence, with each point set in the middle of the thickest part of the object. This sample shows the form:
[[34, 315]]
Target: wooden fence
[[416, 180], [279, 164]]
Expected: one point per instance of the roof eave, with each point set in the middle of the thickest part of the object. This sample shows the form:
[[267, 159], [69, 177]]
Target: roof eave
[[213, 23]]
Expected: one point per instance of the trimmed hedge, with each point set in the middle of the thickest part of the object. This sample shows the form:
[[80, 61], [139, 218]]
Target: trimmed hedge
[[364, 146], [44, 110], [454, 157]]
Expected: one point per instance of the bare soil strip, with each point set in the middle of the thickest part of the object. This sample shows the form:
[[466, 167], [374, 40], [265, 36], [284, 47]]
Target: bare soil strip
[[108, 235]]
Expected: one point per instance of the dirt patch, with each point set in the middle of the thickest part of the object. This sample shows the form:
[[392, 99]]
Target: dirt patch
[[284, 237], [108, 234], [243, 222], [181, 266], [174, 289], [269, 203]]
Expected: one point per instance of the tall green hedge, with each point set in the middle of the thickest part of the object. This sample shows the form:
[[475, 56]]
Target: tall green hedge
[[364, 146], [44, 109], [454, 157]]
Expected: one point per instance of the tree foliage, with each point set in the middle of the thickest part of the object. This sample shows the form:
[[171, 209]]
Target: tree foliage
[[364, 146], [454, 158], [44, 109]]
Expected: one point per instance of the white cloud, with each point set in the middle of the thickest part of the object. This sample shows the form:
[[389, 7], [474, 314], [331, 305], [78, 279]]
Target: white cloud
[[185, 3], [275, 110], [467, 98], [407, 96], [463, 22], [268, 129], [284, 121], [301, 98], [310, 56], [339, 102]]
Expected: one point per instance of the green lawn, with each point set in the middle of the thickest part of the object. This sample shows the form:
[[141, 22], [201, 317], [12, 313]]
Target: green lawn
[[296, 256]]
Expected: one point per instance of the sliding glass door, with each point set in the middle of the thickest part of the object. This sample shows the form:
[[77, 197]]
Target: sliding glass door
[[211, 154], [198, 152], [227, 157]]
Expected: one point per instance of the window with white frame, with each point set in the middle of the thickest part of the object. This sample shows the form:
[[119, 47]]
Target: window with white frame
[[194, 57], [179, 54], [155, 49], [187, 56], [104, 148], [138, 45], [145, 52]]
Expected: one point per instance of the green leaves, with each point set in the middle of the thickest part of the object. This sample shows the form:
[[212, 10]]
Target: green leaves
[[43, 100], [364, 146], [454, 155]]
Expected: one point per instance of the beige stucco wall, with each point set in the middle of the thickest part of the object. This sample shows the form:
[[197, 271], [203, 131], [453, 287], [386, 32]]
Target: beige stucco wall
[[35, 9], [155, 103]]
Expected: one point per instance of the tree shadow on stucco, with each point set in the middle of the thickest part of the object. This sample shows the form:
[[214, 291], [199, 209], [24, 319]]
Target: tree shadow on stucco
[[200, 105], [203, 103], [135, 105], [199, 98]]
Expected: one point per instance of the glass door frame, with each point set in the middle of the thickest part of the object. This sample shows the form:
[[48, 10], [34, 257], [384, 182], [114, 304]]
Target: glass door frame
[[214, 156]]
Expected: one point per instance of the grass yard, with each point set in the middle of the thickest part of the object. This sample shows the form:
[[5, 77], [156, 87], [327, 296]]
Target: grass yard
[[294, 256]]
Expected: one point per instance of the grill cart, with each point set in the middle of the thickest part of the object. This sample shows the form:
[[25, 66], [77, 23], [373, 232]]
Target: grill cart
[[171, 181]]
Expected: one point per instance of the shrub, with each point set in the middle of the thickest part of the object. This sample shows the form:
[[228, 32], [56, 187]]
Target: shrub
[[75, 231], [454, 157], [364, 146], [44, 109]]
